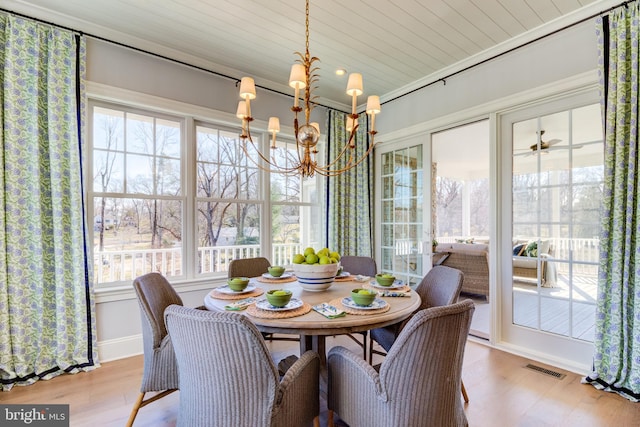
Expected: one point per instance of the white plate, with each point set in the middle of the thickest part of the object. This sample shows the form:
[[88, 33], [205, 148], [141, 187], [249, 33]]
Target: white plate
[[377, 303], [269, 276], [397, 284], [227, 290], [293, 304]]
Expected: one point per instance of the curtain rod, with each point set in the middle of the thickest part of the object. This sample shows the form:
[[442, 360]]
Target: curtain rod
[[498, 55], [442, 79]]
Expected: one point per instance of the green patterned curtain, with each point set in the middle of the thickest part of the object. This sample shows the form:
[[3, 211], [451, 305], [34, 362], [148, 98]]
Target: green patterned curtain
[[617, 339], [47, 320], [350, 210]]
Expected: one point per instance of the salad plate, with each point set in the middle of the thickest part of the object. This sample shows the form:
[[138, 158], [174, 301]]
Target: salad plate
[[284, 276], [292, 305], [227, 290], [377, 303], [397, 284]]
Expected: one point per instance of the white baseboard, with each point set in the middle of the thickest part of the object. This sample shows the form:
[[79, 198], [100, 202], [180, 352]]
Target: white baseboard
[[120, 348]]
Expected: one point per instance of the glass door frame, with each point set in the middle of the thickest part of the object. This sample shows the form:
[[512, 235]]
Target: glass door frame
[[554, 349], [422, 140]]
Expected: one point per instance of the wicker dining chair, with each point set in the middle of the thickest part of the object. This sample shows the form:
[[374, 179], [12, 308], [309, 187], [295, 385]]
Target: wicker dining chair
[[418, 382], [365, 266], [254, 267], [440, 286], [160, 372], [227, 377], [248, 267]]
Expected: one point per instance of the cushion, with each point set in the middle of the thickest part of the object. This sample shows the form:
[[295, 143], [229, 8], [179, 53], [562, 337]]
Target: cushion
[[518, 249], [531, 249]]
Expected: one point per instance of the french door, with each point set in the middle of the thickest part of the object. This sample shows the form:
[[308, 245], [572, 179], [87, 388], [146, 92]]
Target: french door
[[551, 188], [402, 235]]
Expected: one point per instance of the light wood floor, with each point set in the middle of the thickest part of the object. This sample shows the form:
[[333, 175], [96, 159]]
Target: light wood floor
[[502, 393]]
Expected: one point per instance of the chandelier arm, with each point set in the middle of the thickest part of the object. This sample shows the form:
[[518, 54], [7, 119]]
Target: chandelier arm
[[335, 172], [344, 149], [275, 168]]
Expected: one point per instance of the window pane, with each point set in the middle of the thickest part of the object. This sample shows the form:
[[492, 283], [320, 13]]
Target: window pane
[[107, 171], [136, 236], [226, 230]]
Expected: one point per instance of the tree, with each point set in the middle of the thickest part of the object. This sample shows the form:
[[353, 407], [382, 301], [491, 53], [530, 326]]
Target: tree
[[108, 135]]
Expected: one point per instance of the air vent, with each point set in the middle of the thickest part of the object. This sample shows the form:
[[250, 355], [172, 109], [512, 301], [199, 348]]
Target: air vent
[[545, 371]]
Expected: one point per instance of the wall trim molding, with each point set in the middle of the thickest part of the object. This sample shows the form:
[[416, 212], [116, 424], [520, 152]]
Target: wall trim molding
[[120, 348]]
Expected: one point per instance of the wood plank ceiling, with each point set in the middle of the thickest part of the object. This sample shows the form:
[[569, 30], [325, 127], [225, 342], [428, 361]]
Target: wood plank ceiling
[[397, 45]]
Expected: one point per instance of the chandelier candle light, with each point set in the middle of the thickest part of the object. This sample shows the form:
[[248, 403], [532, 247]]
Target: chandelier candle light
[[307, 135]]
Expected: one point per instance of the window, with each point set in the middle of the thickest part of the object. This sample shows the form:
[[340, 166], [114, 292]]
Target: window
[[150, 184], [228, 200], [137, 194]]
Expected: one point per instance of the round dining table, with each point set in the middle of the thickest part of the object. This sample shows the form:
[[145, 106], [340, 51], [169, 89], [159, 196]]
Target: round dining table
[[313, 327]]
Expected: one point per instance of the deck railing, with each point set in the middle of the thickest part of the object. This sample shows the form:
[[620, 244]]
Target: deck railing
[[116, 266], [583, 253]]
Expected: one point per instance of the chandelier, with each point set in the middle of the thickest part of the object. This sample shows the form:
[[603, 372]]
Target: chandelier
[[303, 77]]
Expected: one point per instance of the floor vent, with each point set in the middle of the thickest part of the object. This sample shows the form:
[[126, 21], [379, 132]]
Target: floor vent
[[545, 371]]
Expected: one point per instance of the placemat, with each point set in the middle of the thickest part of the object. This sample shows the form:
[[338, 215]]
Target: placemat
[[338, 303], [219, 295], [267, 280], [345, 278], [405, 288], [254, 311]]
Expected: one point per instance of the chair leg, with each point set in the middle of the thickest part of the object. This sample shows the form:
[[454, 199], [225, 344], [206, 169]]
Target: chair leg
[[140, 403], [464, 392], [135, 409], [330, 419]]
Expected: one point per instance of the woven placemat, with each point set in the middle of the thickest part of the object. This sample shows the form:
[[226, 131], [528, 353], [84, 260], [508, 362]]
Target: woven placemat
[[345, 278], [405, 288], [254, 311], [267, 280], [338, 303], [220, 295]]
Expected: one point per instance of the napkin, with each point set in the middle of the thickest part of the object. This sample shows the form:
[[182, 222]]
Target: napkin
[[393, 294], [328, 311], [240, 305]]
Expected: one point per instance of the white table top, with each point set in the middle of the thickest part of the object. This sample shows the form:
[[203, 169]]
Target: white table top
[[314, 323]]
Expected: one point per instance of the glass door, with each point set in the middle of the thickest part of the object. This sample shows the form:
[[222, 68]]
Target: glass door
[[556, 177], [402, 234]]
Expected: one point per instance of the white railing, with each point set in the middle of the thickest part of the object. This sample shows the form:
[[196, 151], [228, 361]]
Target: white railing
[[115, 266], [584, 253]]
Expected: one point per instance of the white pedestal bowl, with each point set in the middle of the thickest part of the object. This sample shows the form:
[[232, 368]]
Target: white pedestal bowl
[[315, 277]]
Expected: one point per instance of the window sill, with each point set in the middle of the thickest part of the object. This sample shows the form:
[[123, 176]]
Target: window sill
[[126, 292]]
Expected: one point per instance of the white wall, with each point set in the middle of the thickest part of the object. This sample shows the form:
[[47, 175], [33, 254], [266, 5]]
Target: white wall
[[565, 54], [569, 53]]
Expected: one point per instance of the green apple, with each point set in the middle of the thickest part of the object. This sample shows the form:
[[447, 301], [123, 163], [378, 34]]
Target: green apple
[[387, 276], [363, 292], [298, 259], [280, 292], [309, 251], [312, 259], [324, 260]]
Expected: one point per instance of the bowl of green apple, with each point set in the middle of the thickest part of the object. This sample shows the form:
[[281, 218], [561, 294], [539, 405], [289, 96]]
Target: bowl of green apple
[[363, 297], [278, 297], [385, 279], [238, 283]]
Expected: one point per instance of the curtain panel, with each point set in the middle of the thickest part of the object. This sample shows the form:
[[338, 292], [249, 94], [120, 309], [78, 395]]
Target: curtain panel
[[47, 316], [616, 365], [350, 195]]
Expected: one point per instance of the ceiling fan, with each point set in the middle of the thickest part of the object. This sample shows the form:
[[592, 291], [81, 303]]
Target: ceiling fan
[[544, 145]]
